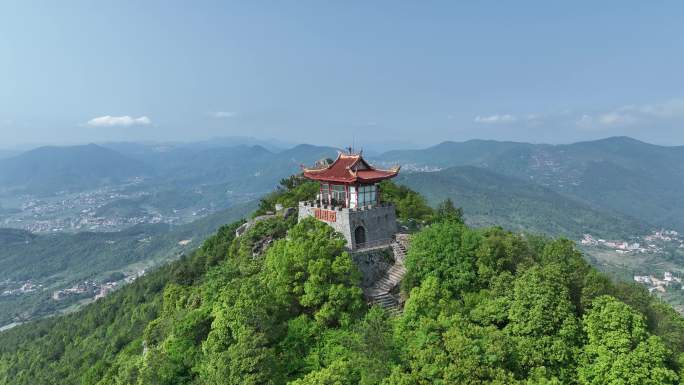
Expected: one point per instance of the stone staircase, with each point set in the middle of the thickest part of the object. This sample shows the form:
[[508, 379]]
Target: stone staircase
[[381, 292]]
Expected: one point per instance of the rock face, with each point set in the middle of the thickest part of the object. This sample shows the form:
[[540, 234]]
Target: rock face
[[373, 264], [249, 224], [288, 212]]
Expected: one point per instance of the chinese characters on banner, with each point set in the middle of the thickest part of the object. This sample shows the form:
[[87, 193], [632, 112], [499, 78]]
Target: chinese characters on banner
[[325, 215]]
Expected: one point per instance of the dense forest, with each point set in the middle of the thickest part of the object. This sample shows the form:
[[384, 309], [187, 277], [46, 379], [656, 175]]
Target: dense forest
[[282, 304]]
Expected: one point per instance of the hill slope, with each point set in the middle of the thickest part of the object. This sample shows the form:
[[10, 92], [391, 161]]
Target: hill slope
[[58, 261], [50, 169], [489, 199], [483, 306], [241, 168], [619, 174]]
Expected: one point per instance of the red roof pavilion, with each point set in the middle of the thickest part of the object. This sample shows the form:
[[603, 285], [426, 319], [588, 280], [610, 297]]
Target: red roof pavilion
[[350, 169], [349, 181]]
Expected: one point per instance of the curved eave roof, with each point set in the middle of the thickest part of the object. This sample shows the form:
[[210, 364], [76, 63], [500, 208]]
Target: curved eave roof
[[345, 170]]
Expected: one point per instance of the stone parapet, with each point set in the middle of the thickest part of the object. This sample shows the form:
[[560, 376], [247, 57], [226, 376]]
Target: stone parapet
[[359, 226]]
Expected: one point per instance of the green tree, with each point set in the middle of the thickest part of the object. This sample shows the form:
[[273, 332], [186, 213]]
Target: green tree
[[412, 208], [573, 268], [500, 251], [543, 323], [446, 251], [340, 372], [620, 350], [446, 211], [289, 193], [310, 271]]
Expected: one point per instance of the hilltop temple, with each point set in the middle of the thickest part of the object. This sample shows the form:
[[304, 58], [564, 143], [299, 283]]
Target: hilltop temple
[[349, 200]]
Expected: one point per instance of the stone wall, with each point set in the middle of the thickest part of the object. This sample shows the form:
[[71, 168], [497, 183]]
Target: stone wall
[[373, 264], [379, 221]]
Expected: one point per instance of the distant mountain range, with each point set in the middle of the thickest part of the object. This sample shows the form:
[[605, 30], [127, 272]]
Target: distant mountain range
[[488, 198], [49, 169], [8, 153], [46, 170], [615, 188], [634, 183], [617, 174]]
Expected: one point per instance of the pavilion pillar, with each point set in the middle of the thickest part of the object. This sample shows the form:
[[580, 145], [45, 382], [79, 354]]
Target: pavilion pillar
[[320, 194], [377, 194], [346, 195]]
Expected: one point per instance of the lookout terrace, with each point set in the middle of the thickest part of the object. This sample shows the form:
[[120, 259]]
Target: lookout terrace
[[349, 200]]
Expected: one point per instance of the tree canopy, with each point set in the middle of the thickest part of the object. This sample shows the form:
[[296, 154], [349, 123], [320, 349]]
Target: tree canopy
[[281, 304]]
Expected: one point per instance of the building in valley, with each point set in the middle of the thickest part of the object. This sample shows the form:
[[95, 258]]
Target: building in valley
[[349, 200]]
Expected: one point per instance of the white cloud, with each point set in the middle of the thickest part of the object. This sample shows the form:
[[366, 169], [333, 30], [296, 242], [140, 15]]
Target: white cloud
[[495, 119], [671, 111], [112, 121], [617, 118], [224, 114], [668, 114], [673, 108]]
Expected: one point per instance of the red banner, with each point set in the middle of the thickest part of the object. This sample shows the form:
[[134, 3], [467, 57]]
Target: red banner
[[325, 215]]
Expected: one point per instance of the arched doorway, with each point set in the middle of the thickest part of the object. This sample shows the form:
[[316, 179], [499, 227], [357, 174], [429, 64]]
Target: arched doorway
[[360, 236]]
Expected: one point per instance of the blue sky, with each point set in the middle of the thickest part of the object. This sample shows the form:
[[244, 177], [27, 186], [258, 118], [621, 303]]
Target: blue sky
[[329, 72]]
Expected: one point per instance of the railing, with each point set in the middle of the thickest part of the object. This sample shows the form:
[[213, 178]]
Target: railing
[[327, 206], [373, 244]]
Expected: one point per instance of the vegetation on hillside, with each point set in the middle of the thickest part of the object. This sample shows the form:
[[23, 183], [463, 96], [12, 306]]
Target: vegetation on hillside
[[412, 209], [489, 198], [289, 193], [619, 174], [282, 304], [56, 261]]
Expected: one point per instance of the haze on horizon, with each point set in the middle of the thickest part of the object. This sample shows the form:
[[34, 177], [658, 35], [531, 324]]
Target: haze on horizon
[[334, 73]]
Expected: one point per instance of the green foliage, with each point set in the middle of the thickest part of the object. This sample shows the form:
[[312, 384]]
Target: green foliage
[[282, 304], [620, 350], [446, 251], [82, 256], [518, 204], [290, 192], [446, 211], [412, 209], [542, 321], [311, 271]]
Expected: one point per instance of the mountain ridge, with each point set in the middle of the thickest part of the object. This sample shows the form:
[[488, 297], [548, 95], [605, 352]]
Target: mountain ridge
[[488, 198], [619, 174], [52, 168]]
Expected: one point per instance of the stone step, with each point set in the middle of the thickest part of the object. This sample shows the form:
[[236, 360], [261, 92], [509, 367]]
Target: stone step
[[385, 288], [385, 285], [384, 301], [380, 292], [394, 274]]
